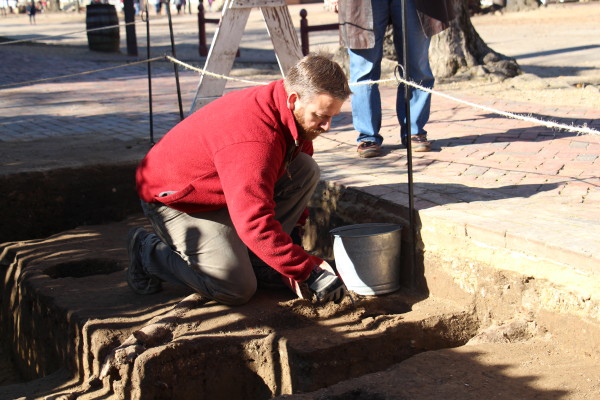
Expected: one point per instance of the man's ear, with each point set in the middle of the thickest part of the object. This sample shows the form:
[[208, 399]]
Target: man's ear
[[291, 100]]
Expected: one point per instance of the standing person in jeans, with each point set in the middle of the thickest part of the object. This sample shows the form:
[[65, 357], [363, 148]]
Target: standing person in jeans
[[362, 30], [226, 186]]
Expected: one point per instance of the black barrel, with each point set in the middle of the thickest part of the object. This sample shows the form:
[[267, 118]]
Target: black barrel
[[97, 16]]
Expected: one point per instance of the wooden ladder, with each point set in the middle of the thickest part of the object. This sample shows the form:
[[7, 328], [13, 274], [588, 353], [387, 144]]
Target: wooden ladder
[[227, 39]]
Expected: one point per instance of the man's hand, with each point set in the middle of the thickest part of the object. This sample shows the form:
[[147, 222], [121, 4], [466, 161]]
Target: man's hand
[[331, 5], [322, 282], [325, 284]]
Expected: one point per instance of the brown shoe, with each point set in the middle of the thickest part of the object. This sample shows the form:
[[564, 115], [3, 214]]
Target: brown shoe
[[368, 150], [419, 143]]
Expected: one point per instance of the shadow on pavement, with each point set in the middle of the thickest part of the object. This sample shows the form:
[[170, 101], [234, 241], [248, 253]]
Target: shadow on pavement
[[528, 134]]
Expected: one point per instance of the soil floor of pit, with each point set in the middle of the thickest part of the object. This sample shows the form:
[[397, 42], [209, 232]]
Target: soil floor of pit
[[516, 359], [495, 365]]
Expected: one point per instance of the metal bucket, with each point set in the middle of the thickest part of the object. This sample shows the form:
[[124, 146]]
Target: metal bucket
[[367, 257]]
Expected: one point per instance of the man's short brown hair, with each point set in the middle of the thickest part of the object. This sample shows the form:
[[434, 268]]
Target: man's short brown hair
[[317, 74]]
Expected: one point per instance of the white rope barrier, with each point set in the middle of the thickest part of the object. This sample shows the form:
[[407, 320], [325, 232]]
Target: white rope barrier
[[205, 72], [82, 73], [68, 33], [549, 124]]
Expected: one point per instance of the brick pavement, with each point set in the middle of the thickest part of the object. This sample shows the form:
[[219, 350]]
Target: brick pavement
[[500, 184], [507, 183]]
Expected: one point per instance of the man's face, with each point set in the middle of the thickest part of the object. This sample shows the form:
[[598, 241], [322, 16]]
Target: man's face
[[314, 117]]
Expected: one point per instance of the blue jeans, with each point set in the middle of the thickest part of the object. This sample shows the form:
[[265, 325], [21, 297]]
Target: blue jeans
[[365, 65]]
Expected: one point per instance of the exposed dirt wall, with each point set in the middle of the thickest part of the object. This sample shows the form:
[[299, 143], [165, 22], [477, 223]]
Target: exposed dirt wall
[[39, 203]]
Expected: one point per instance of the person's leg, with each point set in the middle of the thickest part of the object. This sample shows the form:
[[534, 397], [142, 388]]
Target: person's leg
[[293, 194], [202, 251], [419, 70], [365, 65], [366, 101]]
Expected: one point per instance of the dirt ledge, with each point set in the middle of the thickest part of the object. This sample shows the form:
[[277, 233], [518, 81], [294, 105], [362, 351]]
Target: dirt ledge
[[67, 313], [278, 345]]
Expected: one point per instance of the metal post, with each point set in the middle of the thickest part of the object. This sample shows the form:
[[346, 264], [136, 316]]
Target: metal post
[[202, 47], [147, 17], [132, 49], [411, 202], [304, 32], [174, 56]]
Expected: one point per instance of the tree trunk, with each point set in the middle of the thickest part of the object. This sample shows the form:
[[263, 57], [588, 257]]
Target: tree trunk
[[460, 52], [504, 5], [520, 5], [54, 5]]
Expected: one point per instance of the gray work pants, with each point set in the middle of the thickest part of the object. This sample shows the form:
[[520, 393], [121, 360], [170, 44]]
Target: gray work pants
[[203, 250]]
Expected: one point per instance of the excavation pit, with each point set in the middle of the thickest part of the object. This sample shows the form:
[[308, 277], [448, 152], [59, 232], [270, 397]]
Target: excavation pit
[[66, 307], [275, 344]]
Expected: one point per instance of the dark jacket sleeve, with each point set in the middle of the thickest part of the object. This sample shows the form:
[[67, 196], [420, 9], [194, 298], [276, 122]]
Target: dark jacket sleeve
[[356, 24], [356, 20], [435, 16]]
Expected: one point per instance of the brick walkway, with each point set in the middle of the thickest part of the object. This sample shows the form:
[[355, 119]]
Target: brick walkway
[[500, 183], [503, 182]]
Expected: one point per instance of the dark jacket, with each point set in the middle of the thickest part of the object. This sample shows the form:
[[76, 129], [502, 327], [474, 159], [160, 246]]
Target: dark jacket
[[356, 20]]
